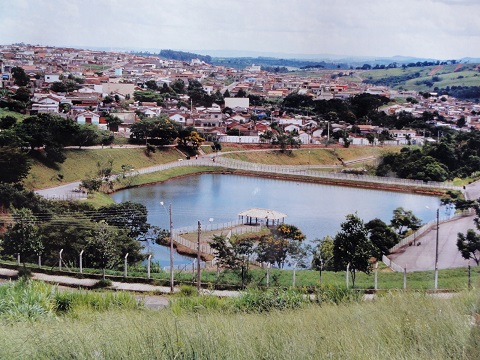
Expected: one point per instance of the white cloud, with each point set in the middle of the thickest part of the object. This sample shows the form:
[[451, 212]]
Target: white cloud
[[427, 28]]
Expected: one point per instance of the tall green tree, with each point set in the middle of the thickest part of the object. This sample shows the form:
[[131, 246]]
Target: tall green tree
[[404, 220], [352, 247], [323, 254], [14, 164], [22, 237], [469, 244], [101, 251], [20, 77], [7, 122], [159, 130], [283, 245], [382, 237], [234, 254]]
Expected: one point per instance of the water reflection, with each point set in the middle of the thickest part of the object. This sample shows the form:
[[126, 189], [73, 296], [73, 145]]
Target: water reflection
[[316, 209]]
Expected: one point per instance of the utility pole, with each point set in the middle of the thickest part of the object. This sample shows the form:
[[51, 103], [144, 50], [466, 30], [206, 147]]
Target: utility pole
[[171, 251], [198, 257], [436, 251]]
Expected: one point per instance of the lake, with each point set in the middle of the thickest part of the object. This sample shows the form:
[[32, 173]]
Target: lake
[[316, 209]]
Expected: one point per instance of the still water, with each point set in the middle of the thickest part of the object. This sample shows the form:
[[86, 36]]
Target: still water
[[316, 209]]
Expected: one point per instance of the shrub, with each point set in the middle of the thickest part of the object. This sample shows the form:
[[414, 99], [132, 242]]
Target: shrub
[[336, 294], [265, 301], [188, 290], [24, 273], [63, 302], [103, 283]]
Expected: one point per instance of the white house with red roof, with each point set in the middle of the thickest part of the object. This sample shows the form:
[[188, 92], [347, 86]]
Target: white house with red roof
[[89, 117]]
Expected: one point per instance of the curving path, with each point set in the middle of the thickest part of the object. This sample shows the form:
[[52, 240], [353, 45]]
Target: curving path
[[422, 255], [70, 190]]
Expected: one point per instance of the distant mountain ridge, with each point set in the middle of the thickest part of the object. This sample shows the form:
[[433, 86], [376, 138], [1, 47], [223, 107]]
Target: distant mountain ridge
[[279, 55]]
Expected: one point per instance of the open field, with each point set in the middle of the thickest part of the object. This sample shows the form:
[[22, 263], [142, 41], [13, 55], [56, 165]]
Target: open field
[[395, 326], [448, 75]]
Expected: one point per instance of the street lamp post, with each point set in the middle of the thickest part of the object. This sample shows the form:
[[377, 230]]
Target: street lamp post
[[171, 246]]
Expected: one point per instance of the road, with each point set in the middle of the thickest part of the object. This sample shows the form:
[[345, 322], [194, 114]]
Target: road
[[422, 257]]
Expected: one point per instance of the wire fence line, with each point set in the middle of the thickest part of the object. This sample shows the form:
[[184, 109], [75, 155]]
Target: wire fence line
[[63, 192], [66, 196], [309, 171]]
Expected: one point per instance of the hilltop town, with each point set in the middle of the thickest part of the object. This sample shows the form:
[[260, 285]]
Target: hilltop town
[[222, 103]]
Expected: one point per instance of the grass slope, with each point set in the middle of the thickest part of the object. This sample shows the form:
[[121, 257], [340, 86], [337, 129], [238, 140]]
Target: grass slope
[[313, 156], [450, 75], [396, 326], [82, 163]]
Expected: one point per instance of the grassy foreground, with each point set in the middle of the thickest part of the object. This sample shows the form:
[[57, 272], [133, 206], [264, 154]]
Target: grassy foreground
[[396, 326]]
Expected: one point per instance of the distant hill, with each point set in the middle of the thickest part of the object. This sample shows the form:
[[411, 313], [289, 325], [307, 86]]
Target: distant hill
[[184, 56], [461, 80]]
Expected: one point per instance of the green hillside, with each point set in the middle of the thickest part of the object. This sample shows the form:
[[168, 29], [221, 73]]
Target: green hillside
[[81, 164], [425, 78]]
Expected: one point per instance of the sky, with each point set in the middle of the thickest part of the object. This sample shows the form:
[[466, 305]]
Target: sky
[[437, 29]]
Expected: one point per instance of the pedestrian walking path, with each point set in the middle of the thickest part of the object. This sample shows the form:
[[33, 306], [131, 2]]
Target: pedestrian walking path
[[71, 190], [86, 283]]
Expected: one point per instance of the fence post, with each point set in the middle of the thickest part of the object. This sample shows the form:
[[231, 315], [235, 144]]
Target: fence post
[[148, 265], [60, 260], [18, 259], [376, 276], [193, 269], [469, 276], [346, 274], [125, 267], [81, 262], [405, 277], [39, 261], [268, 275], [294, 273]]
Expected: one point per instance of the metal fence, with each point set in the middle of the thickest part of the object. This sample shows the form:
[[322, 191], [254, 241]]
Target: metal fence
[[308, 171], [69, 196]]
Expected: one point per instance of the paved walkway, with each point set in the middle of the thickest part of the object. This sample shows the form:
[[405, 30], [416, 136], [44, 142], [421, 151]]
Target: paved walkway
[[421, 256], [71, 190], [74, 282]]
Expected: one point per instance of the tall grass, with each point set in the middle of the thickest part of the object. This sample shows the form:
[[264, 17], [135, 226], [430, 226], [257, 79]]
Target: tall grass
[[33, 300], [396, 326]]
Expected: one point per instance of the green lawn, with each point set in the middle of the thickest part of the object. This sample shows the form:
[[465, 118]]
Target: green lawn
[[16, 115], [465, 76], [83, 163], [313, 156]]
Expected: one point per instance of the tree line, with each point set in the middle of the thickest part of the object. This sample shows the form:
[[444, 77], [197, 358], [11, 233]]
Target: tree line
[[43, 137], [457, 154], [39, 227]]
